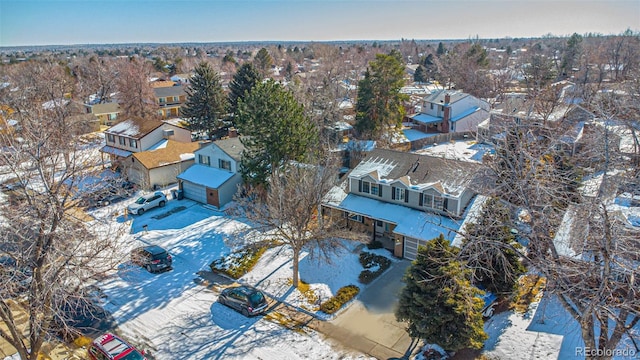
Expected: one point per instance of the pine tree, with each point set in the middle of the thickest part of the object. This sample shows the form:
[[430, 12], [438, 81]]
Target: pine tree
[[206, 102], [439, 302], [380, 103], [491, 251], [441, 50], [420, 75], [263, 62], [241, 85], [276, 131]]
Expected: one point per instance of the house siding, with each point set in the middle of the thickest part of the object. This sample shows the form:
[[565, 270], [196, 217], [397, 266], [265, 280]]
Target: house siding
[[166, 175]]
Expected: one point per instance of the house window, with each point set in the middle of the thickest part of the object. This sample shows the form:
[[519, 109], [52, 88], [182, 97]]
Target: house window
[[133, 143], [111, 138], [365, 186], [355, 217], [427, 200], [162, 100], [113, 116], [438, 202], [374, 190], [122, 141], [431, 106], [399, 193], [224, 164], [204, 160]]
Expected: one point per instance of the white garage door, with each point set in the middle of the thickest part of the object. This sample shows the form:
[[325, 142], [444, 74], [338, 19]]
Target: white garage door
[[194, 192], [411, 247]]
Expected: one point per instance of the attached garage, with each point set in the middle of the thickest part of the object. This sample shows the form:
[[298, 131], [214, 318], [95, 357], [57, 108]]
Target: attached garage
[[411, 247], [194, 192]]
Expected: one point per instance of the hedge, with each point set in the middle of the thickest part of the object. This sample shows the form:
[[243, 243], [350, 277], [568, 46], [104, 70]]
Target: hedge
[[369, 260], [343, 296]]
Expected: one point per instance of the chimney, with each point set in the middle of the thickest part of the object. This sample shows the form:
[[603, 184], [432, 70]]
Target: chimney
[[446, 116], [233, 132], [447, 99]]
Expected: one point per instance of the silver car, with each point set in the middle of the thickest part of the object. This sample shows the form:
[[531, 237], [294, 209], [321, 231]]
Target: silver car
[[147, 202]]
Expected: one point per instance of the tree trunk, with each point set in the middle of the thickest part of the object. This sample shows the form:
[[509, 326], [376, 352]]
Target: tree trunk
[[296, 259]]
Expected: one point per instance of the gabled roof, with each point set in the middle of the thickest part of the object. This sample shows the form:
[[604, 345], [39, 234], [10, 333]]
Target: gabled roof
[[169, 91], [232, 146], [174, 152], [417, 171], [206, 176], [106, 108], [134, 127], [438, 96]]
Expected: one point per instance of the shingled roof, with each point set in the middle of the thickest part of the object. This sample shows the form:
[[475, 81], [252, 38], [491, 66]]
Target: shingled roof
[[134, 127], [173, 152], [416, 170]]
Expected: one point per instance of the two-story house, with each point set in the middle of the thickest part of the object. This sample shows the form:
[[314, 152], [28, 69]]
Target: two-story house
[[446, 111], [215, 176], [136, 135], [170, 99], [403, 199], [107, 113]]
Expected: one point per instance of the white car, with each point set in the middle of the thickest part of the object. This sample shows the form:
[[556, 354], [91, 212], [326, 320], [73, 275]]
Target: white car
[[147, 202]]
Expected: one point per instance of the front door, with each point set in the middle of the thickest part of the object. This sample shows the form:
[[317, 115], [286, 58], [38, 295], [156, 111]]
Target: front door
[[212, 197]]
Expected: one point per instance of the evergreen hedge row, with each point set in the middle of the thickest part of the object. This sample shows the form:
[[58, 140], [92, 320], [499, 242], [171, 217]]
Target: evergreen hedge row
[[343, 296]]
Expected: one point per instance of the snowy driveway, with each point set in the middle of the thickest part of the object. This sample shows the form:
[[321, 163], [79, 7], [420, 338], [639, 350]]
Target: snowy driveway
[[172, 317]]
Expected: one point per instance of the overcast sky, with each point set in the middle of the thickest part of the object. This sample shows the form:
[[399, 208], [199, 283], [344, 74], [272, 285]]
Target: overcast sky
[[62, 22]]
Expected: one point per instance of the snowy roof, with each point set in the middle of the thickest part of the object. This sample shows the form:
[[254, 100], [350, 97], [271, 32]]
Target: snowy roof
[[410, 222], [418, 170], [115, 151], [438, 96], [342, 126], [474, 111], [426, 119], [172, 152], [134, 127], [206, 176]]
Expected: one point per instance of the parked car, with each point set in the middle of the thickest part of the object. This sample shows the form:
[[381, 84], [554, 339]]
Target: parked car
[[152, 257], [245, 299], [110, 199], [112, 347], [147, 202]]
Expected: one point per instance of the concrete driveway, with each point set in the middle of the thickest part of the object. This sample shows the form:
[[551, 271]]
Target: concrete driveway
[[369, 324]]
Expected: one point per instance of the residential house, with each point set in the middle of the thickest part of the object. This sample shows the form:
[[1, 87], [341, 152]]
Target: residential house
[[170, 99], [135, 135], [107, 113], [160, 165], [403, 199], [445, 111], [215, 176], [183, 79]]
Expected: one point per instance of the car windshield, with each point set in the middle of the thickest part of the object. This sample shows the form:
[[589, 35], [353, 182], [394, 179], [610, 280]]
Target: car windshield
[[134, 355], [141, 200], [256, 298]]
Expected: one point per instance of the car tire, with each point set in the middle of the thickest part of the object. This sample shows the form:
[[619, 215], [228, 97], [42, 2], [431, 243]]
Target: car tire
[[245, 312], [140, 212], [148, 267], [162, 203]]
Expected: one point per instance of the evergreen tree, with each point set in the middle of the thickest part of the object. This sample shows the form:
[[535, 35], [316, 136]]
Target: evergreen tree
[[263, 62], [571, 55], [491, 251], [420, 75], [441, 50], [206, 102], [276, 131], [240, 86], [439, 302], [380, 103]]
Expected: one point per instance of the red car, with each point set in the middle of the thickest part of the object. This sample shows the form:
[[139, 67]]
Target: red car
[[111, 347]]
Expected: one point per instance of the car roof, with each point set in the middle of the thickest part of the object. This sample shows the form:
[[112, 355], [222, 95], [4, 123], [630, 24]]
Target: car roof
[[246, 289], [113, 345], [154, 249]]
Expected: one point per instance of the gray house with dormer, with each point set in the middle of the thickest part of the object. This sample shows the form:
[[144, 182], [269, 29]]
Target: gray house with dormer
[[404, 199]]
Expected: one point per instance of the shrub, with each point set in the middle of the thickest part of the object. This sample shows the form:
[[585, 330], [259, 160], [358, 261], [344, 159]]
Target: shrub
[[343, 296], [369, 261], [235, 265], [375, 244]]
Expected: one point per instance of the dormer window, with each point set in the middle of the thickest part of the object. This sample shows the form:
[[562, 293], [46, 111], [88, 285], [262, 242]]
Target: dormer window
[[374, 190], [399, 193], [366, 186]]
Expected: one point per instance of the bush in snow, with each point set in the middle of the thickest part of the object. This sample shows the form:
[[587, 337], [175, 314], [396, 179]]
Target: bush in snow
[[343, 296], [374, 265], [236, 264]]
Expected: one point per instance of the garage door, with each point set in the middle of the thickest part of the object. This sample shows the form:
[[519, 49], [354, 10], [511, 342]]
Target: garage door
[[411, 247], [194, 192]]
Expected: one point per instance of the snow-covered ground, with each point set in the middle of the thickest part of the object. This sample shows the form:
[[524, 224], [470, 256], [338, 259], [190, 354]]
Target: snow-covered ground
[[173, 317]]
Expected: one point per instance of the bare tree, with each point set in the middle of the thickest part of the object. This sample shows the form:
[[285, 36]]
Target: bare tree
[[97, 76], [51, 253], [135, 95], [289, 211]]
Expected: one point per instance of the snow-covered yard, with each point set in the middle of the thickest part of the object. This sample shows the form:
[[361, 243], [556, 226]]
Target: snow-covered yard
[[173, 317]]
